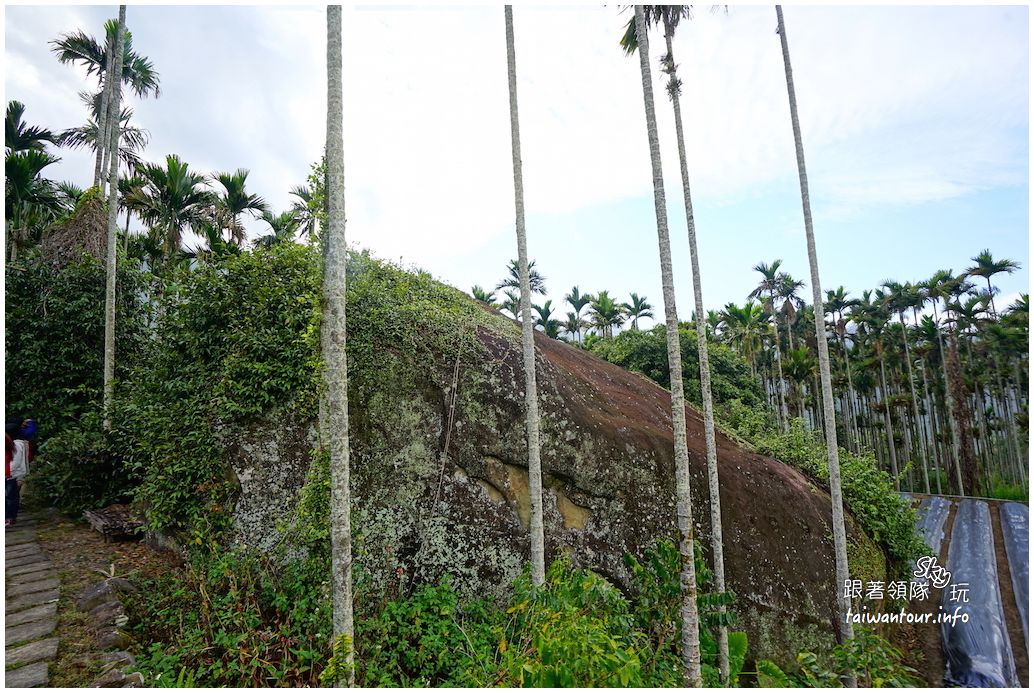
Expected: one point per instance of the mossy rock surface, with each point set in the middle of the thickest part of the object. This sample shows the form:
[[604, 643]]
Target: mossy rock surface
[[421, 510]]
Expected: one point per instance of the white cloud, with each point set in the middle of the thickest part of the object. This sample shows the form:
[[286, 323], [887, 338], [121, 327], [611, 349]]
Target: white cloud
[[899, 106]]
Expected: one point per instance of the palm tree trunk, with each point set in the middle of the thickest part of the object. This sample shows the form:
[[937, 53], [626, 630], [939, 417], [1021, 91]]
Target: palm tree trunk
[[852, 420], [888, 424], [538, 562], [783, 411], [109, 294], [717, 546], [333, 342], [832, 451], [969, 477], [690, 617], [956, 435], [125, 235], [102, 119], [931, 416], [915, 405]]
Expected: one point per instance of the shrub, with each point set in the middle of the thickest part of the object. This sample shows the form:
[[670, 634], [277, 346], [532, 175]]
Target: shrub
[[646, 352], [875, 663], [54, 337]]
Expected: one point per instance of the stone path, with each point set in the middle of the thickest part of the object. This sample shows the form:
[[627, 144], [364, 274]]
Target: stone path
[[30, 608]]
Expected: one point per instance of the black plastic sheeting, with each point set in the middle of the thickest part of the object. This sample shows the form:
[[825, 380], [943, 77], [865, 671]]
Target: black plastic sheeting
[[1016, 535], [977, 652], [932, 513]]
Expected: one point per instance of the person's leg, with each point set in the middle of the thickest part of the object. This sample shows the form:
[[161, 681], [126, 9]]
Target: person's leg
[[10, 500], [17, 500]]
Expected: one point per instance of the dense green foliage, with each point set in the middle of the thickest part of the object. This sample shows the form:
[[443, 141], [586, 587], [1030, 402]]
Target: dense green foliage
[[54, 337], [237, 339], [875, 662], [647, 352], [54, 364], [232, 618]]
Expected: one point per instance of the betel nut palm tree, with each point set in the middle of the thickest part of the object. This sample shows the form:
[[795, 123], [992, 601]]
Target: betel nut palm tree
[[669, 16], [538, 550], [832, 451], [332, 340], [137, 72], [109, 295], [690, 643]]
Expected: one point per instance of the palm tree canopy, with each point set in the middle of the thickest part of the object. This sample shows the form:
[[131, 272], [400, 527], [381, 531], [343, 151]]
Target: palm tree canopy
[[22, 170], [18, 136], [638, 308], [173, 198], [283, 227], [303, 210], [986, 266], [512, 304], [537, 281], [668, 15], [132, 140], [137, 71], [235, 200], [607, 313], [578, 300], [482, 296], [769, 283]]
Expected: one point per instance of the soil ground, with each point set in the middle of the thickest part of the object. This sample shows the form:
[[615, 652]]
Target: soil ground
[[82, 558]]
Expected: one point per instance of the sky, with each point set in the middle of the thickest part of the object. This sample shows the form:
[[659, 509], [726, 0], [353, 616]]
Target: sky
[[915, 123]]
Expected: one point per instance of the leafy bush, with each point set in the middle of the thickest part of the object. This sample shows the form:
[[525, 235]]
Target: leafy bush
[[237, 338], [646, 352], [54, 337], [235, 619], [875, 663], [78, 468]]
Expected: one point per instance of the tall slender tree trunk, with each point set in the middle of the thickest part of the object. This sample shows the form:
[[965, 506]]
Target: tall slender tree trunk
[[333, 342], [783, 410], [888, 424], [915, 405], [102, 117], [931, 415], [956, 435], [538, 560], [832, 451], [125, 235], [969, 480], [717, 545], [112, 264], [690, 617]]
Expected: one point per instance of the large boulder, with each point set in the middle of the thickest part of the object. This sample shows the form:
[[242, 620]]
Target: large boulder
[[430, 499]]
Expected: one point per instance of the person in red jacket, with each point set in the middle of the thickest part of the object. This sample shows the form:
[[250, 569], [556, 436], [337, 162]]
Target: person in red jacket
[[17, 454], [11, 495]]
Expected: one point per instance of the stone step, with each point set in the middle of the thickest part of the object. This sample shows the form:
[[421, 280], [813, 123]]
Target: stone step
[[19, 536], [28, 676], [29, 631], [42, 564], [37, 575], [34, 586], [25, 559], [35, 613], [21, 550], [33, 652], [33, 599]]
